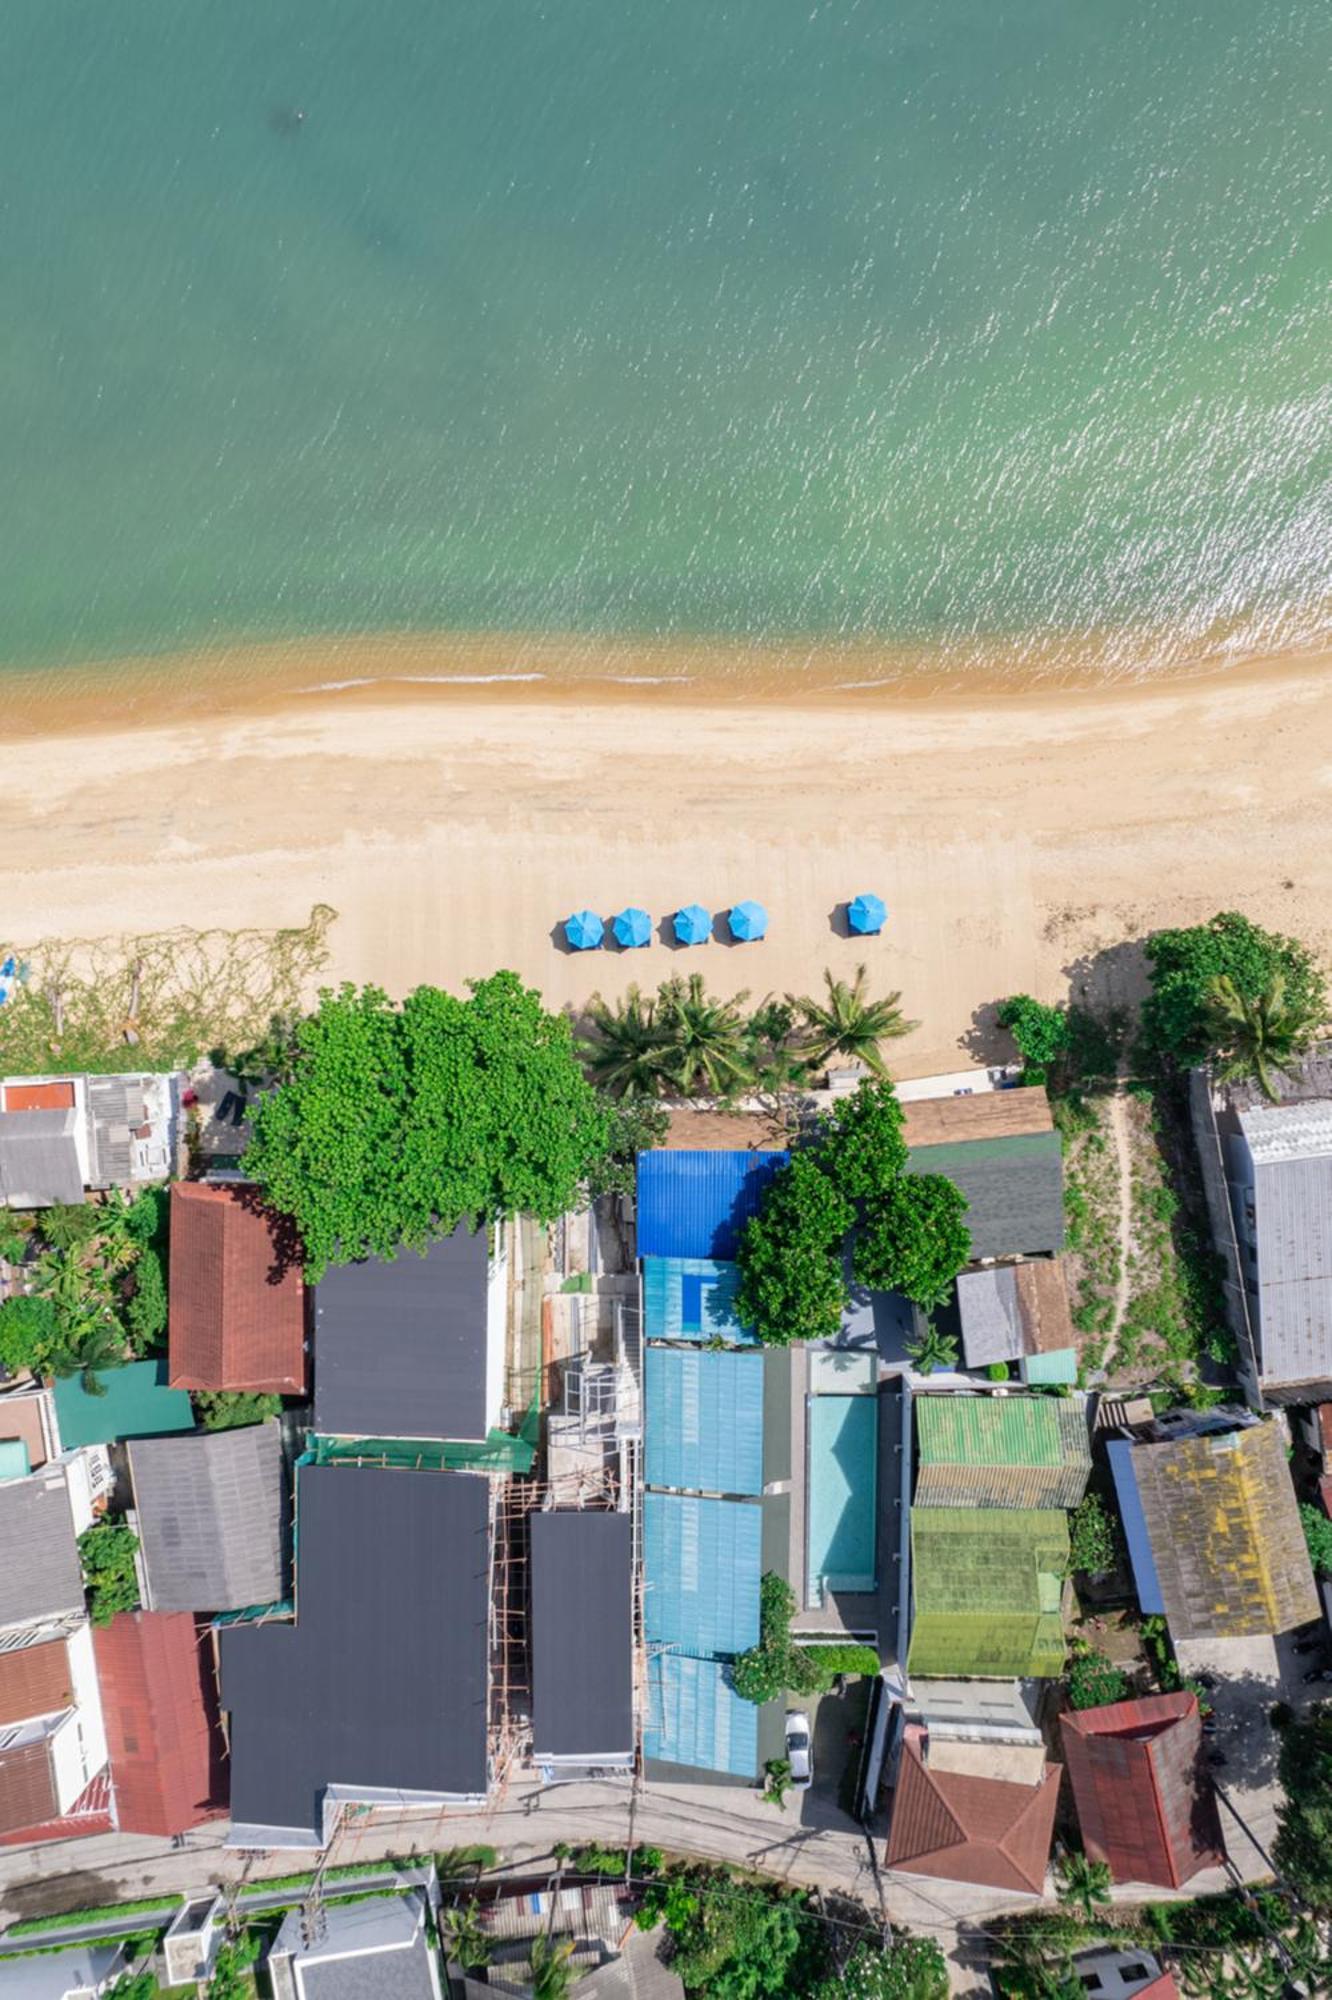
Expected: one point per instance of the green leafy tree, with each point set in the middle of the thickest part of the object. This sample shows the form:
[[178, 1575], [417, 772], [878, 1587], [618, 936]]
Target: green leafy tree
[[552, 1972], [146, 1313], [29, 1333], [1091, 1537], [914, 1238], [1185, 964], [778, 1062], [861, 1144], [849, 1024], [633, 1125], [1260, 1035], [1094, 1681], [230, 1978], [1303, 1850], [70, 1226], [107, 1552], [764, 1671], [625, 1053], [1317, 1537], [400, 1123], [742, 1941], [792, 1283], [14, 1235], [1041, 1032], [1084, 1883], [146, 1218], [913, 1969], [706, 1043], [233, 1409], [140, 1985], [934, 1350]]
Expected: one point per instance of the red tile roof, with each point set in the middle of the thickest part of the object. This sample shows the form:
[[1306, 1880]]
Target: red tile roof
[[237, 1298], [1161, 1988], [1144, 1799], [39, 1096], [35, 1680], [27, 1786], [968, 1829], [160, 1710], [89, 1814]]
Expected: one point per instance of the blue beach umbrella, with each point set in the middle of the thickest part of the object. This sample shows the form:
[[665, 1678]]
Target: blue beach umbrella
[[584, 930], [692, 924], [632, 928], [749, 922], [866, 915]]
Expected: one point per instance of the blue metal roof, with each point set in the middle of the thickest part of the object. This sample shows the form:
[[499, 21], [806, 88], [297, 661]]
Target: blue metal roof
[[701, 1561], [696, 1204], [1120, 1454], [704, 1426], [695, 1717], [692, 1298]]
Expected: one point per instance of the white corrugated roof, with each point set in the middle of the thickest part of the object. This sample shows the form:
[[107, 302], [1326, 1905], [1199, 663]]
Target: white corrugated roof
[[1288, 1132]]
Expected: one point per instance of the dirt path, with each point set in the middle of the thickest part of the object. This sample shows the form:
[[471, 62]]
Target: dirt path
[[1119, 1131]]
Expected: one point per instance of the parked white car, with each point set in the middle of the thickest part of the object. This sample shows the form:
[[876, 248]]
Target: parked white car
[[799, 1751]]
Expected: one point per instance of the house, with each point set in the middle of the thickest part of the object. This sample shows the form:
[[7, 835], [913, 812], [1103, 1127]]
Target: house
[[60, 1135], [1213, 1531], [1145, 1801], [82, 1972], [237, 1296], [987, 1586], [705, 1419], [582, 1631], [41, 1578], [376, 1949], [160, 1703], [973, 1812], [414, 1348], [378, 1691], [1001, 1149], [1129, 1974], [1018, 1312], [702, 1563], [1267, 1171], [695, 1203], [1001, 1451], [210, 1514]]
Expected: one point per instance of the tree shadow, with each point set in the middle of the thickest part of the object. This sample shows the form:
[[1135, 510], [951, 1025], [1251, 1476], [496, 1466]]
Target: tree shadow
[[985, 1041], [1113, 979]]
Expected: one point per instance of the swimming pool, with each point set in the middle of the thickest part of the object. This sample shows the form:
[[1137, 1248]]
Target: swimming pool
[[842, 1455]]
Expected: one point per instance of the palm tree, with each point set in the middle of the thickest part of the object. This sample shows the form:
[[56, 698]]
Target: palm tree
[[1084, 1883], [706, 1052], [934, 1349], [1256, 1037], [465, 1935], [552, 1974], [626, 1054], [849, 1023]]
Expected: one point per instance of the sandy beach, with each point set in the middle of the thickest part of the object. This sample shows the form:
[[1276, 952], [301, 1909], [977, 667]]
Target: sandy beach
[[1021, 841]]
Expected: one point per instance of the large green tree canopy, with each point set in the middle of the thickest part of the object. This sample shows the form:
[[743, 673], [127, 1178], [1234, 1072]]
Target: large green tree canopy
[[398, 1123], [1186, 964]]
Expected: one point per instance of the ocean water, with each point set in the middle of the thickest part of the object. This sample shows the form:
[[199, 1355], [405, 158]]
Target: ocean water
[[950, 323]]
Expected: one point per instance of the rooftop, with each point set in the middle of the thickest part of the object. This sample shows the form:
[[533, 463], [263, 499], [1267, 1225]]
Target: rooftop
[[983, 1114], [1291, 1147], [134, 1401], [704, 1428], [581, 1635], [1145, 1801], [377, 1949], [1001, 1451], [692, 1298], [381, 1682], [702, 1561], [1008, 1311], [696, 1719], [237, 1306], [401, 1347], [696, 1203], [39, 1158], [40, 1573], [988, 1584], [34, 1681], [211, 1518], [160, 1708], [1014, 1188], [967, 1828]]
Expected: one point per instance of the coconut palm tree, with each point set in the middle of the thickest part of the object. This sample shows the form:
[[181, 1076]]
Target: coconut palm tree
[[466, 1938], [849, 1023], [932, 1350], [552, 1974], [625, 1055], [1258, 1036], [1084, 1883], [706, 1050]]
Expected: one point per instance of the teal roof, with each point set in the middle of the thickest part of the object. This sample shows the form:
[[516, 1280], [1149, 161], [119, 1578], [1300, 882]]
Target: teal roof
[[701, 1560], [704, 1420], [695, 1717], [136, 1402], [692, 1298], [13, 1459]]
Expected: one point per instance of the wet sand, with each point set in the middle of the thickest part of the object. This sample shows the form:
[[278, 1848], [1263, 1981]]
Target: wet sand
[[1021, 839]]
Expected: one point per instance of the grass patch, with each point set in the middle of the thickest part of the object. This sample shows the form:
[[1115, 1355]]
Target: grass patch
[[390, 1865], [1091, 1221], [105, 1913]]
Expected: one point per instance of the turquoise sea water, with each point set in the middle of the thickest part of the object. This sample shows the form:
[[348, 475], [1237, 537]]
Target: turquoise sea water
[[939, 320]]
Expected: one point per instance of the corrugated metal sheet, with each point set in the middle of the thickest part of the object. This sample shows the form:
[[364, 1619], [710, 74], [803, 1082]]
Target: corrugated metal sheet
[[692, 1298], [1293, 1226], [702, 1561], [696, 1204], [987, 1588], [1119, 1451], [160, 1721], [704, 1420], [1001, 1451], [696, 1718], [987, 1306], [1145, 1801], [1052, 1369]]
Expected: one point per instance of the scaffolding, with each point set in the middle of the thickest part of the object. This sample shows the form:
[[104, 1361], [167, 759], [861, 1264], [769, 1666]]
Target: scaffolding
[[512, 1504]]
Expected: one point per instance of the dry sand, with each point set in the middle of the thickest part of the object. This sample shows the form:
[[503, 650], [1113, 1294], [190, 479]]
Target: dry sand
[[1020, 840]]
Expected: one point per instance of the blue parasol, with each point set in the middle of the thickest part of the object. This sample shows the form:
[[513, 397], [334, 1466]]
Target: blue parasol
[[749, 922], [866, 915], [584, 930], [632, 928], [692, 924]]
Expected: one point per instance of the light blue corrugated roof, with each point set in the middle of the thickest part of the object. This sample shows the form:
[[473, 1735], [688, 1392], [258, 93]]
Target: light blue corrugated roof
[[1060, 1365], [696, 1203], [695, 1717], [701, 1562], [692, 1298], [704, 1420], [1120, 1454]]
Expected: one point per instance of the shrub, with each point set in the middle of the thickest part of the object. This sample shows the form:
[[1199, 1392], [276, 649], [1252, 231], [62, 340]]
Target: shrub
[[147, 1312], [778, 1666], [777, 1780], [1317, 1536], [29, 1333], [1094, 1681], [1185, 965], [913, 1968], [1091, 1537], [107, 1553], [1040, 1032], [232, 1409]]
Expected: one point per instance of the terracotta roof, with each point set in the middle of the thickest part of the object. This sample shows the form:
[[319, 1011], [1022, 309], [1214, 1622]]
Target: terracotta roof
[[89, 1814], [969, 1829], [723, 1131], [1163, 1987], [985, 1114], [1324, 1411], [27, 1786], [35, 1680], [237, 1298], [40, 1096], [1144, 1799], [160, 1707]]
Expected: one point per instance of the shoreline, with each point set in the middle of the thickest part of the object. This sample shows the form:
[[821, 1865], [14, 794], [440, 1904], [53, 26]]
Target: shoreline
[[1023, 844]]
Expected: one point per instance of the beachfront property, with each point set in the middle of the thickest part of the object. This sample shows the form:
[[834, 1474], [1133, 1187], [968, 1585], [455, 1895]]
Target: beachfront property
[[210, 1513], [237, 1305], [62, 1136], [1145, 1799], [1267, 1171]]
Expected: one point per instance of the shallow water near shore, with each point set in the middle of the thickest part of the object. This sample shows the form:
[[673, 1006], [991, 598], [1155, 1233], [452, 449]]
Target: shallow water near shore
[[963, 339]]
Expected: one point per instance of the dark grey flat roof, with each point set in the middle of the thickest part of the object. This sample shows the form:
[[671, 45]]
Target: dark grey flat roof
[[381, 1682], [400, 1348], [582, 1635]]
